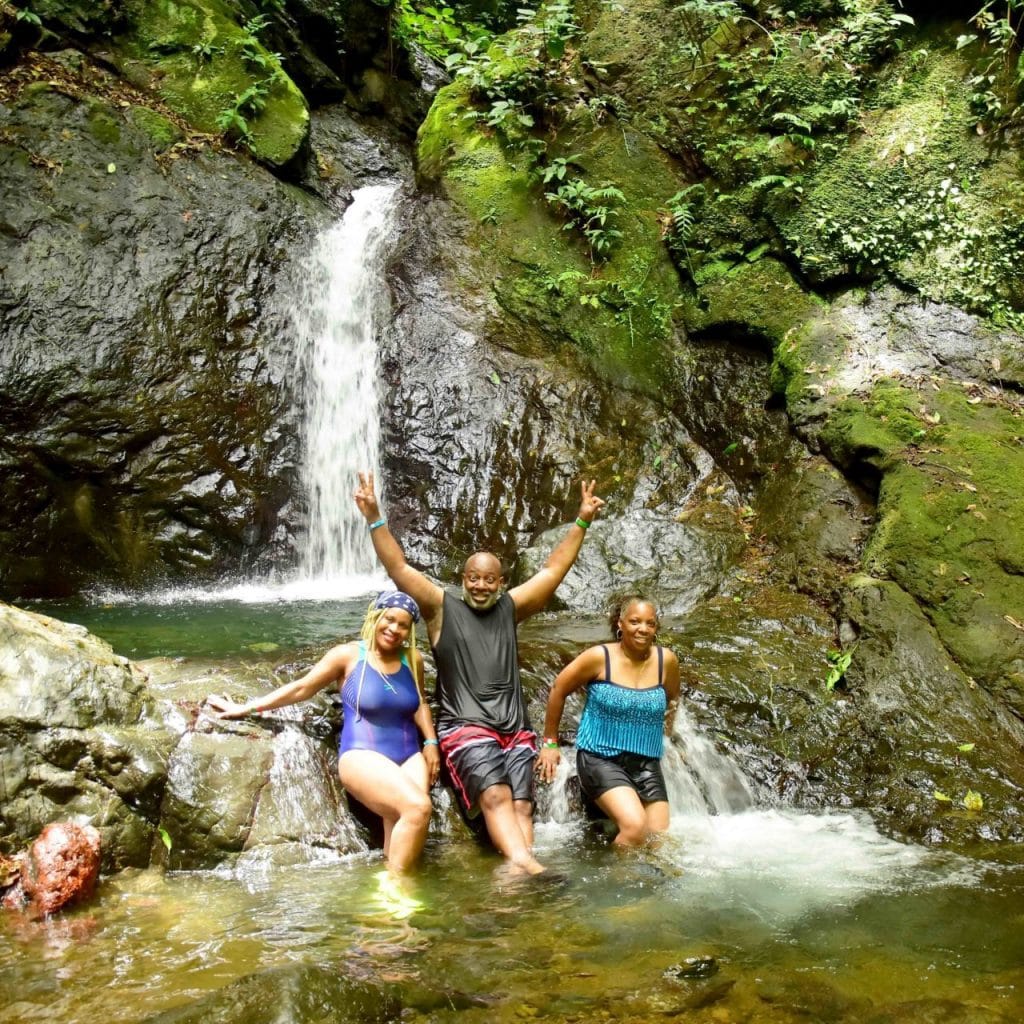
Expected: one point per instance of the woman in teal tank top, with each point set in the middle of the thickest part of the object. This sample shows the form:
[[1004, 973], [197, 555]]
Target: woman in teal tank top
[[632, 690]]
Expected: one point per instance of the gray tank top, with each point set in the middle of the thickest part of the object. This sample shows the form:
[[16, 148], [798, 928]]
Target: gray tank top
[[477, 662]]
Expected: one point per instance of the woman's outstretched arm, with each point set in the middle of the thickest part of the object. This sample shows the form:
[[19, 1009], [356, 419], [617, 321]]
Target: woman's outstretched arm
[[335, 664]]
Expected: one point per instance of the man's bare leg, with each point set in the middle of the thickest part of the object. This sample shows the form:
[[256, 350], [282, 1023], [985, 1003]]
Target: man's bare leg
[[505, 829], [524, 814]]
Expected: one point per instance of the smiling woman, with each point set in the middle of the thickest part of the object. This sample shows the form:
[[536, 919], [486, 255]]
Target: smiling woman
[[630, 700], [380, 760]]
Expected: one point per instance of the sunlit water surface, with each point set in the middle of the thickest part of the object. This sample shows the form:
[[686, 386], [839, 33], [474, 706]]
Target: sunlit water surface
[[808, 917]]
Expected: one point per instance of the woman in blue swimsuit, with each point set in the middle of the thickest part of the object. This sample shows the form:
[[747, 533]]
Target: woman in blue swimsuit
[[381, 760], [632, 690]]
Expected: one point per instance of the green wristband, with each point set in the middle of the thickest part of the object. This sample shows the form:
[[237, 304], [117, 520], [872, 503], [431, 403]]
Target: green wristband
[[582, 523], [550, 744]]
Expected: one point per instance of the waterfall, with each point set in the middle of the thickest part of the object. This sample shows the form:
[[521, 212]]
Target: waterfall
[[698, 777], [339, 315]]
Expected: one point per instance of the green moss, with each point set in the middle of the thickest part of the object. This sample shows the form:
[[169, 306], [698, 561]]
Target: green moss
[[761, 296], [162, 131], [205, 64], [618, 313], [950, 503], [916, 195], [103, 125]]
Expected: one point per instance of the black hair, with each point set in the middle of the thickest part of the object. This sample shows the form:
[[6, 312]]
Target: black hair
[[620, 604]]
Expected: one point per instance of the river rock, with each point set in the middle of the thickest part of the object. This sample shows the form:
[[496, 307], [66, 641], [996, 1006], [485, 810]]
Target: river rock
[[303, 994], [61, 867], [692, 967], [79, 737]]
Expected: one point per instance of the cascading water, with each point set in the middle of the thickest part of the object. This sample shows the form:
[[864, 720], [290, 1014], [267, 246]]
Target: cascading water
[[747, 852], [339, 315]]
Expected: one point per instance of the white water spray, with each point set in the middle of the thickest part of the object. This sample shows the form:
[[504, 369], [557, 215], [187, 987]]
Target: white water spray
[[339, 316]]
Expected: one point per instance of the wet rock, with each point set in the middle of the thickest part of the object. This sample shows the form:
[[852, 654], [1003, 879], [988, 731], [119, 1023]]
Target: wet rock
[[807, 998], [303, 994], [78, 737], [692, 967], [165, 441], [61, 867]]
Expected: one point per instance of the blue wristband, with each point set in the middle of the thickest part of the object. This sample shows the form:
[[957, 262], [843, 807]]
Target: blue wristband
[[430, 743], [380, 522]]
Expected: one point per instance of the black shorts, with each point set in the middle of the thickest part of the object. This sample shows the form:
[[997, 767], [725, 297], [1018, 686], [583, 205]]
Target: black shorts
[[478, 757], [599, 774]]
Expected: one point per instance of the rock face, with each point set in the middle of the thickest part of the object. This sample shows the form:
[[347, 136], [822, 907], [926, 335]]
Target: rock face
[[148, 373], [79, 738], [87, 736], [61, 867]]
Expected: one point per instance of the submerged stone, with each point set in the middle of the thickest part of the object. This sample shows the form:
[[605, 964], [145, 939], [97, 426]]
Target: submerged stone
[[693, 967]]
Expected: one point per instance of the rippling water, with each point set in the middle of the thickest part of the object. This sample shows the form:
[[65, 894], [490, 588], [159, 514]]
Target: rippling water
[[806, 917]]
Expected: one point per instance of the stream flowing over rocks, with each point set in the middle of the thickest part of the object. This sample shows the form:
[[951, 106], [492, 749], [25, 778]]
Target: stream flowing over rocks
[[785, 472]]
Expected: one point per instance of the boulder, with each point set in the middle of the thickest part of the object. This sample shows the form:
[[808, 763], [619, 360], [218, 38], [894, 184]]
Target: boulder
[[78, 738], [61, 867]]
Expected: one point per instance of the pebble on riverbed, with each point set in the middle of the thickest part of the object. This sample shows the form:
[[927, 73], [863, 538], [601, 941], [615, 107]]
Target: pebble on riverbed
[[692, 967]]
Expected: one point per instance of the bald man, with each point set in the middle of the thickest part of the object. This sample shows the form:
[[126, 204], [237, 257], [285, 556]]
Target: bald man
[[484, 733]]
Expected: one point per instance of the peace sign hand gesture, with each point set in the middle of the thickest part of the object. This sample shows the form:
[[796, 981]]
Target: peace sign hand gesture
[[590, 503], [366, 498]]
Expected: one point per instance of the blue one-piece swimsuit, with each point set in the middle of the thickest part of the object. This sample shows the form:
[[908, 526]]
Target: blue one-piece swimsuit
[[378, 710]]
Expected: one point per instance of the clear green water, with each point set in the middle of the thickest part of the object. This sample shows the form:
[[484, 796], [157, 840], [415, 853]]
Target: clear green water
[[790, 943], [809, 917], [177, 628]]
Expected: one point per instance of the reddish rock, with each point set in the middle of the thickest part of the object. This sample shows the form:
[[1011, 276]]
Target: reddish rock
[[61, 867]]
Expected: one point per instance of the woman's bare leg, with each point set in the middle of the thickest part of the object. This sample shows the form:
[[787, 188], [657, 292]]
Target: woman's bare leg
[[398, 793], [625, 808]]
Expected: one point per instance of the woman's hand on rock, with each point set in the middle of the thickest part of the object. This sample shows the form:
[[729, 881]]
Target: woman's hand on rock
[[224, 708]]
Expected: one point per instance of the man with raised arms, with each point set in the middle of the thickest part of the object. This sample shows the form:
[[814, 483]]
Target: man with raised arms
[[485, 735]]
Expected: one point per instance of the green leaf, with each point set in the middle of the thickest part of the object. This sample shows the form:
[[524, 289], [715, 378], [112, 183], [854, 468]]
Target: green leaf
[[965, 748], [111, 168], [973, 801], [165, 836], [942, 798], [840, 663], [729, 449], [494, 378]]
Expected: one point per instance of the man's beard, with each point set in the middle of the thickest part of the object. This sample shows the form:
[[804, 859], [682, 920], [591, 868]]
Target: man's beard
[[491, 601]]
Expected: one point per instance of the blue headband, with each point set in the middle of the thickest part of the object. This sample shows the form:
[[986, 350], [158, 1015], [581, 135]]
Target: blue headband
[[396, 599]]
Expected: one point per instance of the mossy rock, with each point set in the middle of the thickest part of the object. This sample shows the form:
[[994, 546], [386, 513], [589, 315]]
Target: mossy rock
[[752, 298], [617, 311], [951, 500], [917, 195], [78, 15], [216, 74], [160, 129]]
